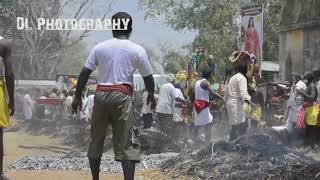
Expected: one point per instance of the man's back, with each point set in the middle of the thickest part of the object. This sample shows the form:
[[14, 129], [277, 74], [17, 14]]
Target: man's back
[[166, 100], [117, 60]]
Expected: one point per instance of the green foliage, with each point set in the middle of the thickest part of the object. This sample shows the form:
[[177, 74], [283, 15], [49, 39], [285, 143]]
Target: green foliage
[[174, 62]]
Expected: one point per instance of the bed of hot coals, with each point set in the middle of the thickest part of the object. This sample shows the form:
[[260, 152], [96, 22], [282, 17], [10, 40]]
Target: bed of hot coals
[[249, 157], [79, 161]]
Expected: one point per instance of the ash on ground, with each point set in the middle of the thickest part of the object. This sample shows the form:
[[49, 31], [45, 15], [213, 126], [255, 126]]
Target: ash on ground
[[79, 162], [249, 157]]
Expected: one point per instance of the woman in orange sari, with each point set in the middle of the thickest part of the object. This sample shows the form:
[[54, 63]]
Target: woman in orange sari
[[252, 39]]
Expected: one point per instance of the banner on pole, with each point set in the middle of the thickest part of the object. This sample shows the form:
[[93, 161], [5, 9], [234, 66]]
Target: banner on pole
[[252, 30]]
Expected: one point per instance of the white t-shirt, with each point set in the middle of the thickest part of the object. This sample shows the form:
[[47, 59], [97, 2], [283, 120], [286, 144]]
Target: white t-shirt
[[178, 116], [117, 60], [90, 103], [237, 87], [167, 96], [69, 100]]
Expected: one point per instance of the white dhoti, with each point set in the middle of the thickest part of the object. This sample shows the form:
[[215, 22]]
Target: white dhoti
[[202, 118], [235, 110]]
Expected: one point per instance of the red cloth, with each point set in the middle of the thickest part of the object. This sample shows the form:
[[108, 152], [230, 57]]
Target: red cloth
[[300, 118], [123, 88], [199, 105], [48, 101]]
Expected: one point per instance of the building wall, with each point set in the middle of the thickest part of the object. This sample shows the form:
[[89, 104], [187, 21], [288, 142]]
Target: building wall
[[299, 51], [299, 35]]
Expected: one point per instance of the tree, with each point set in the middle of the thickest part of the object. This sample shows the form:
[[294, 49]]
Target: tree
[[73, 60], [175, 62], [154, 59], [38, 53]]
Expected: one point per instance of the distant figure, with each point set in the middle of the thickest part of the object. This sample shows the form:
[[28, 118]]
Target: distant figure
[[178, 115], [146, 111], [68, 103], [165, 105], [90, 104], [201, 106], [311, 109], [6, 83], [61, 85], [54, 93], [28, 106], [84, 112], [294, 102]]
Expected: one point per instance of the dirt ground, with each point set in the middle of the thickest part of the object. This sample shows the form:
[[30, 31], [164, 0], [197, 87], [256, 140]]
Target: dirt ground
[[20, 144]]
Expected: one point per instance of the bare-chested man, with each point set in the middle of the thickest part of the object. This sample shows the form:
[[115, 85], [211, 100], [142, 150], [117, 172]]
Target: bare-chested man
[[6, 81]]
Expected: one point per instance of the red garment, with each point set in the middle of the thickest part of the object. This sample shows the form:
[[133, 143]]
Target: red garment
[[200, 105], [252, 41], [47, 101], [300, 118], [123, 88]]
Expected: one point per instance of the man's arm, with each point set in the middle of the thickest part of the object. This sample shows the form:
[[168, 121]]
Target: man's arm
[[149, 84], [81, 84], [206, 86], [312, 96], [180, 100], [9, 75]]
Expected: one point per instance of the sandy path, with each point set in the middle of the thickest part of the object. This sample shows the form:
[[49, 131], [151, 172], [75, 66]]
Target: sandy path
[[19, 144]]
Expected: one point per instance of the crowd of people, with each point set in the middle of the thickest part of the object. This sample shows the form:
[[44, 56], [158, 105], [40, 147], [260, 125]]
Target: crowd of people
[[52, 104], [244, 102]]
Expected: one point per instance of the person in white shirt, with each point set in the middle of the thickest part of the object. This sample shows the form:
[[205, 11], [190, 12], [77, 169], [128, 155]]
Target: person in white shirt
[[84, 112], [90, 104], [146, 111], [165, 105], [28, 106], [61, 85], [201, 106], [294, 101], [178, 116], [117, 60], [236, 95]]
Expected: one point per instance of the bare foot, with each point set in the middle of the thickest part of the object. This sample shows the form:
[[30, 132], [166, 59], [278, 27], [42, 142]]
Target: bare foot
[[3, 177]]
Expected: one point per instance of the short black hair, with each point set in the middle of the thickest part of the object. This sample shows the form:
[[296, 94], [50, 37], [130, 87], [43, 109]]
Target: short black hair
[[296, 75], [308, 76], [205, 70], [122, 15], [242, 67]]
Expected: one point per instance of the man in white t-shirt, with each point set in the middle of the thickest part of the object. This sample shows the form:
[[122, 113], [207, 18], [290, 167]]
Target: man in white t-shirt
[[178, 116], [165, 105], [116, 59]]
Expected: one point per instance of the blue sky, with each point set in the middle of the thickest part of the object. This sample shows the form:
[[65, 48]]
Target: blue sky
[[148, 32]]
